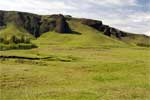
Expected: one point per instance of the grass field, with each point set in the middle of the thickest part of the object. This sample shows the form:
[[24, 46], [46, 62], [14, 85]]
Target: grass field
[[85, 66]]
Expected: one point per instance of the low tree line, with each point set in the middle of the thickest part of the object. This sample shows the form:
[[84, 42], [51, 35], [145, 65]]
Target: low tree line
[[14, 39]]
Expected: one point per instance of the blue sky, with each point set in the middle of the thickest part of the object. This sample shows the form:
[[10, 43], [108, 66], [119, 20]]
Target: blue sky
[[128, 15]]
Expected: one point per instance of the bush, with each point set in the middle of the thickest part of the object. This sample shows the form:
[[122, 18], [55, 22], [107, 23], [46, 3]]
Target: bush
[[16, 46], [1, 40], [143, 45], [15, 40], [24, 40]]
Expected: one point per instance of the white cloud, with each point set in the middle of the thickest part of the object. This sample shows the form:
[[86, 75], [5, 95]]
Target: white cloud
[[147, 33], [114, 2], [38, 6], [140, 17]]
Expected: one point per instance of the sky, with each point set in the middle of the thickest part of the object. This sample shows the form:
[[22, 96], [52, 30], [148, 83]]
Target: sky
[[127, 15]]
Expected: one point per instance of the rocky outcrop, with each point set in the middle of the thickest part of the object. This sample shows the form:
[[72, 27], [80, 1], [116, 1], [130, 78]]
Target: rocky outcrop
[[31, 23], [35, 24], [61, 25], [109, 31], [47, 25], [93, 23], [117, 33]]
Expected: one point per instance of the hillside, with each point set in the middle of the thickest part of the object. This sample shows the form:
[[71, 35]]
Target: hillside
[[65, 30], [83, 36]]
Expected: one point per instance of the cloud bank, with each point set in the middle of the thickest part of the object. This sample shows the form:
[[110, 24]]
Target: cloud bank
[[128, 15]]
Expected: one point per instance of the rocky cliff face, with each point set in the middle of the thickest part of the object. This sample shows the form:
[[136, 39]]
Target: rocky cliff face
[[35, 24], [1, 19], [109, 31], [31, 23]]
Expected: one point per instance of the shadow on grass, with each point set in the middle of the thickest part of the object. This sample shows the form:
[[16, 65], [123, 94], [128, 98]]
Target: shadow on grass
[[49, 58], [73, 32], [77, 33]]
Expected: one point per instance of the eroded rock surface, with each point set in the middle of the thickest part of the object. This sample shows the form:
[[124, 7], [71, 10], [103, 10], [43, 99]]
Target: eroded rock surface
[[107, 30], [61, 25]]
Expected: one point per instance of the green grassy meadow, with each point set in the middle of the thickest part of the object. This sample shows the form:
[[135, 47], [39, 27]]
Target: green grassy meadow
[[84, 66]]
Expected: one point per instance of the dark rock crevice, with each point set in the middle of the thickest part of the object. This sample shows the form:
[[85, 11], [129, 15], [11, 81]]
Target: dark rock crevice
[[1, 19]]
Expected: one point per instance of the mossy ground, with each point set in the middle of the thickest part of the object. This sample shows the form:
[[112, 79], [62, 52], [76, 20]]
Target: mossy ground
[[85, 66]]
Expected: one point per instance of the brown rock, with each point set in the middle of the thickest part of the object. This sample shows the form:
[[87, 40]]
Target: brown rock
[[61, 25]]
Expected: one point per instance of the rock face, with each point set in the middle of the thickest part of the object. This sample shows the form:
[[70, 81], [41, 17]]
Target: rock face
[[117, 33], [109, 31], [47, 25], [61, 25], [35, 24], [31, 23], [1, 19], [93, 23]]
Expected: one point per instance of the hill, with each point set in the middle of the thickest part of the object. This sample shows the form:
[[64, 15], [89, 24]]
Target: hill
[[81, 31]]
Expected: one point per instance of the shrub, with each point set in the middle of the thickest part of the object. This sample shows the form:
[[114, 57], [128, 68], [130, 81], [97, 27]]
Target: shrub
[[24, 39], [14, 39], [16, 46], [143, 45], [1, 40]]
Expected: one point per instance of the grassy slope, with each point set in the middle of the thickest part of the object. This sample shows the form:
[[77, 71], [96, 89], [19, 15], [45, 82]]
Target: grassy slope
[[83, 36], [135, 39], [93, 71], [13, 30]]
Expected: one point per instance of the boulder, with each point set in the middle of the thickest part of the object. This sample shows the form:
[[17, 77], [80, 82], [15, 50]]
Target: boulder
[[61, 25]]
